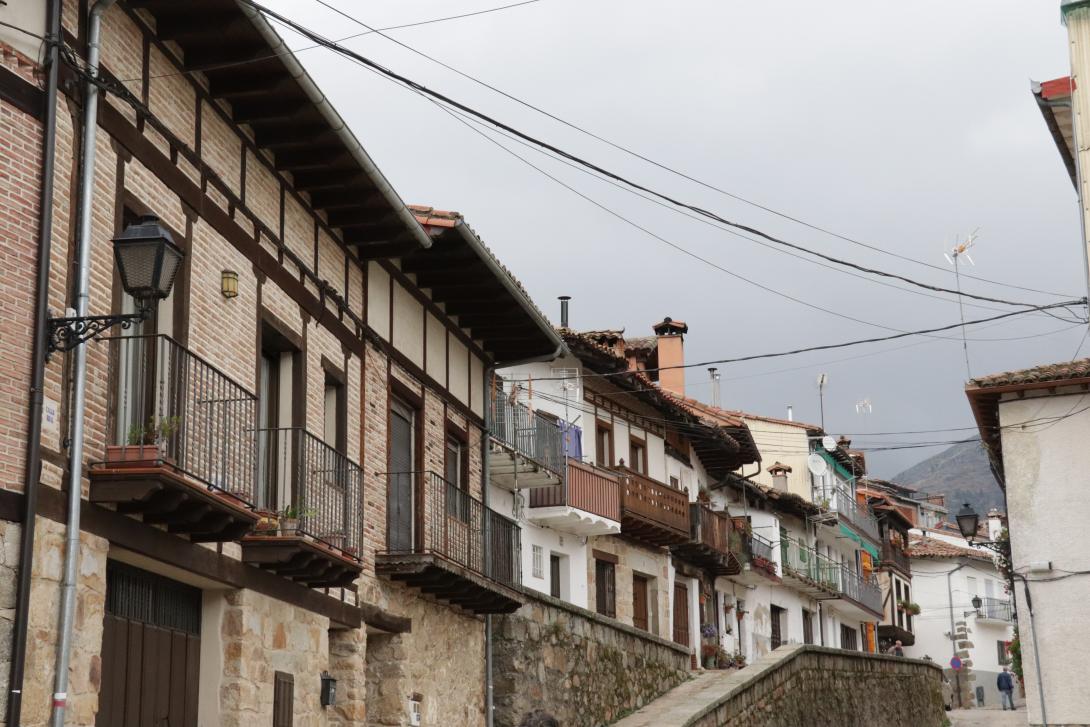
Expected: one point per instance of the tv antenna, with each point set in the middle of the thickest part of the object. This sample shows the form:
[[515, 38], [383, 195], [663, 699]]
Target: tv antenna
[[863, 407], [822, 382], [959, 251]]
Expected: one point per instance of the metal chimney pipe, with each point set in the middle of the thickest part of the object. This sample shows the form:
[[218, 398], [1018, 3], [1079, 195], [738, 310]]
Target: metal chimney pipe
[[714, 373], [790, 413], [564, 310]]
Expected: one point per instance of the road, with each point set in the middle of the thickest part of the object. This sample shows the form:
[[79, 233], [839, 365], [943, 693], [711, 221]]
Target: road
[[989, 717]]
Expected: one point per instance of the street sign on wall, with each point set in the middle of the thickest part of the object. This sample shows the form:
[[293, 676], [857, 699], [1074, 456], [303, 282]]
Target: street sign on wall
[[955, 664]]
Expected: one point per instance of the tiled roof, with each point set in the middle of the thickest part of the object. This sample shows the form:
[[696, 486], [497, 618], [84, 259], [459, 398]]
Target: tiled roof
[[1039, 374], [431, 217], [641, 343], [935, 548]]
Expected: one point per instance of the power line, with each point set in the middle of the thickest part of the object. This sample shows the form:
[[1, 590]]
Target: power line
[[332, 45], [664, 167]]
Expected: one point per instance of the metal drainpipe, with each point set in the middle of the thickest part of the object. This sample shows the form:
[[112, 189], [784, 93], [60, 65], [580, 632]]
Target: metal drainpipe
[[37, 372], [1036, 653], [953, 640], [75, 462], [485, 475]]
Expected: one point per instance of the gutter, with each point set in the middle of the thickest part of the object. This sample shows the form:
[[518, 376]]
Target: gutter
[[32, 475], [320, 102]]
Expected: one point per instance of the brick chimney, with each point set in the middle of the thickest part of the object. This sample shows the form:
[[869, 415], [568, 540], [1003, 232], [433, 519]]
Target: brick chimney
[[671, 352]]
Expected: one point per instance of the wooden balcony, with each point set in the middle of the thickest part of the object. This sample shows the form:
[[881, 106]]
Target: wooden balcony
[[651, 512], [587, 503], [893, 555], [709, 544], [184, 458], [324, 488], [447, 544]]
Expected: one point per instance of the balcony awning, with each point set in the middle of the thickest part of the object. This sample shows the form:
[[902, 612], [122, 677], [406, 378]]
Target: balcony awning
[[851, 534]]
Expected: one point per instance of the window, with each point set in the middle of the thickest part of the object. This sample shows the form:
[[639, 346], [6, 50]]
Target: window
[[276, 411], [400, 487], [334, 414], [637, 455], [539, 558], [1004, 655], [807, 627], [603, 444], [283, 699], [674, 483], [605, 588], [848, 638], [777, 626], [455, 472]]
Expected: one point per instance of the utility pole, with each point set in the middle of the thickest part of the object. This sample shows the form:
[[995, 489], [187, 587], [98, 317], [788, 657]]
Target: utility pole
[[822, 380]]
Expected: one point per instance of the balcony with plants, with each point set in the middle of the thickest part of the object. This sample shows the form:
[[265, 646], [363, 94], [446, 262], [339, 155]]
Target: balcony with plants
[[823, 578], [311, 525], [446, 543], [527, 446], [588, 502], [180, 433]]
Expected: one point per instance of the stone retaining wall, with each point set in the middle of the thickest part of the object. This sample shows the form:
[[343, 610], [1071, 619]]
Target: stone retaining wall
[[585, 669], [815, 685]]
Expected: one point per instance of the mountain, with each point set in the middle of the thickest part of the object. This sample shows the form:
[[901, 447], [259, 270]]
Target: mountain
[[961, 473]]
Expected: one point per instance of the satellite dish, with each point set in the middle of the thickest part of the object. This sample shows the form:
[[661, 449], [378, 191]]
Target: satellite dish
[[830, 445], [816, 464]]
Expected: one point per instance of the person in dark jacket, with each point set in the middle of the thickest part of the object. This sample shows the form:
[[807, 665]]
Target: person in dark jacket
[[1005, 684]]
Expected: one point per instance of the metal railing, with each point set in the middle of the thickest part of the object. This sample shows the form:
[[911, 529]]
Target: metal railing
[[894, 554], [803, 561], [529, 433], [652, 500], [997, 609], [860, 516], [760, 547], [586, 488], [300, 475], [165, 399], [428, 514], [865, 591]]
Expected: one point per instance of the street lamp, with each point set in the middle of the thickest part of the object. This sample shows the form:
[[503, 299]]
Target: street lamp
[[977, 602], [968, 522], [148, 261]]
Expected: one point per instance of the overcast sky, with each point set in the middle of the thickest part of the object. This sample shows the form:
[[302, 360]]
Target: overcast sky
[[902, 125]]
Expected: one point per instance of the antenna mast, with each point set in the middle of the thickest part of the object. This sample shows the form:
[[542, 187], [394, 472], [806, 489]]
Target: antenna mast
[[961, 250]]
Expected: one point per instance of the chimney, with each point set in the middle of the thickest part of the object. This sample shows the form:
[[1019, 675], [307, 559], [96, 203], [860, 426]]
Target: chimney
[[564, 310], [714, 373], [671, 354], [995, 524], [790, 413], [779, 474]]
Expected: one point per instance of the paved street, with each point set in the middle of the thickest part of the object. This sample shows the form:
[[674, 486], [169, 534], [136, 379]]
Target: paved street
[[989, 717]]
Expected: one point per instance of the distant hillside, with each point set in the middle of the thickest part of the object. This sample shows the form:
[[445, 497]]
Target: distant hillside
[[961, 473]]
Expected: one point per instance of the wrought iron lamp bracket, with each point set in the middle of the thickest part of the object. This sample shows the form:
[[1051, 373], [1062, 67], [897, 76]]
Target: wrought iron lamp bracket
[[67, 333]]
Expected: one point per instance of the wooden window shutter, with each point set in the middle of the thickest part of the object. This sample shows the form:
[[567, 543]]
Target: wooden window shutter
[[283, 699]]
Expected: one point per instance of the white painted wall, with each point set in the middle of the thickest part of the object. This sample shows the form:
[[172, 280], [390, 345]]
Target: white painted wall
[[29, 16], [1047, 510]]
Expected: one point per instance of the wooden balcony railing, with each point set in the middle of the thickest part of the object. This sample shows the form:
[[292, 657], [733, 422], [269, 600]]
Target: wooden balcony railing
[[894, 554], [710, 528], [652, 511], [586, 488]]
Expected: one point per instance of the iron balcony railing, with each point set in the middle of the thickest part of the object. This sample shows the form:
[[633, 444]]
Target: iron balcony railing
[[165, 399], [862, 590], [997, 609], [858, 516], [585, 488], [528, 432], [803, 561], [760, 547], [894, 554], [427, 514], [301, 476]]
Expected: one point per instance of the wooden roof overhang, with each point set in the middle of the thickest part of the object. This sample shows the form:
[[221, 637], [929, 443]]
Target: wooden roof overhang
[[249, 67], [721, 449], [469, 284]]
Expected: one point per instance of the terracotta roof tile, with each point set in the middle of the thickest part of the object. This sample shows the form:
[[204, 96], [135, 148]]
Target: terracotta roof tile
[[1039, 374], [934, 548]]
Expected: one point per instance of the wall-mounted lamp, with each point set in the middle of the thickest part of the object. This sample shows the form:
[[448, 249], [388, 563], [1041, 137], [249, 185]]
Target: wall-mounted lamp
[[229, 284], [329, 690]]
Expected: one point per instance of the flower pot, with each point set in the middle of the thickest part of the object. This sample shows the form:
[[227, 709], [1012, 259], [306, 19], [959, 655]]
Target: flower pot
[[289, 525], [267, 525], [136, 455]]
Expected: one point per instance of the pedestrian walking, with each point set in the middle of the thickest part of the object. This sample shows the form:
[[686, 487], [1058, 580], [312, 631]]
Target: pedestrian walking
[[1005, 683]]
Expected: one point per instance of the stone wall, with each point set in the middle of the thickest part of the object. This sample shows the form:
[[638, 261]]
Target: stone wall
[[585, 669], [816, 685]]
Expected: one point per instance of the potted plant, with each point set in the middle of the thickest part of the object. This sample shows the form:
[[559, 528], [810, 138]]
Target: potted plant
[[739, 660], [289, 519], [708, 631], [144, 444], [709, 654], [912, 609], [723, 659], [267, 522]]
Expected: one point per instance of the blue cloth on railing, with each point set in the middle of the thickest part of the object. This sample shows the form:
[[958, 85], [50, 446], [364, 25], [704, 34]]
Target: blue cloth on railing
[[573, 440]]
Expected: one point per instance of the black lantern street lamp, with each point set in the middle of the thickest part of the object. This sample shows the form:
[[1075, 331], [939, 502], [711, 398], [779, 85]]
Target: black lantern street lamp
[[977, 602], [968, 522], [148, 261]]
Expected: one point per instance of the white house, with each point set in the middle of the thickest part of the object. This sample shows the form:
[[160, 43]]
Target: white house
[[947, 575]]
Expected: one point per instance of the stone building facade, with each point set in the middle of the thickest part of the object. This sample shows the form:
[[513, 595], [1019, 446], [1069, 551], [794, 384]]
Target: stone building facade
[[328, 327]]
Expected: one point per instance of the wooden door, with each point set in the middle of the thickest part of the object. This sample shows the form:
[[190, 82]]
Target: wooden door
[[554, 576], [399, 492], [777, 626], [681, 613], [151, 647], [639, 602]]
